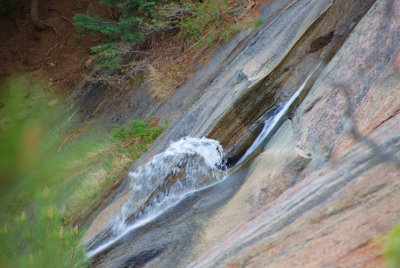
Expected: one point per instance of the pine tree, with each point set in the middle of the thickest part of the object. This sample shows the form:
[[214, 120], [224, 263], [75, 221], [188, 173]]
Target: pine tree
[[126, 28]]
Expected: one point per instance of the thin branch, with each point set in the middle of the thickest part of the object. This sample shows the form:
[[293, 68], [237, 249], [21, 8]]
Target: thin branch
[[55, 46], [373, 56]]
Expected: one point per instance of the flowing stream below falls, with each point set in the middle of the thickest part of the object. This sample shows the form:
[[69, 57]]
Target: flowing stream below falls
[[187, 167]]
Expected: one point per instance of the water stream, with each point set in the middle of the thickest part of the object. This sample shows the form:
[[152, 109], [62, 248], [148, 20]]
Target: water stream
[[185, 167], [274, 118]]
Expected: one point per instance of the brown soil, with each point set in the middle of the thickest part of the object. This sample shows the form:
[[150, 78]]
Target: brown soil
[[60, 54], [171, 63], [57, 54]]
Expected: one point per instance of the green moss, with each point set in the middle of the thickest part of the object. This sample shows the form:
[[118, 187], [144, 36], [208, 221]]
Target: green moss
[[258, 22], [136, 138]]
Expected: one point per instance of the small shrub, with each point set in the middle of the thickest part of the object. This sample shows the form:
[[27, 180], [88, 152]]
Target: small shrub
[[258, 22], [126, 29], [40, 239], [208, 23], [49, 182], [108, 56], [136, 138], [200, 24]]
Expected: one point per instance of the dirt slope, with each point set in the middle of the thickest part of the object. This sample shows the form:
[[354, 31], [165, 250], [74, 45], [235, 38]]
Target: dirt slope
[[57, 54]]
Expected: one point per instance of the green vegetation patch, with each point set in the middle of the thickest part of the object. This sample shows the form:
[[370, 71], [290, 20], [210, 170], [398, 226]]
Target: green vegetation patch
[[131, 22], [125, 145], [392, 249], [32, 232], [124, 28], [208, 22], [136, 138], [52, 175]]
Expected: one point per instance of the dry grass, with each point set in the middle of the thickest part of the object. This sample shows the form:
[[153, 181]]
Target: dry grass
[[98, 185], [102, 171], [168, 61], [177, 61]]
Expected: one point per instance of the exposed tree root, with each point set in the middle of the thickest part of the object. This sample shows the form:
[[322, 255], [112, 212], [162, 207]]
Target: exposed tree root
[[39, 24]]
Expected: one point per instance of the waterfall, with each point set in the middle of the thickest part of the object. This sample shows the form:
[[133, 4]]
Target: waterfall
[[186, 166], [274, 118]]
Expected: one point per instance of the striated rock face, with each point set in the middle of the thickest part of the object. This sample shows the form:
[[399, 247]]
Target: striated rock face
[[260, 55], [347, 194], [330, 218], [326, 185], [245, 67]]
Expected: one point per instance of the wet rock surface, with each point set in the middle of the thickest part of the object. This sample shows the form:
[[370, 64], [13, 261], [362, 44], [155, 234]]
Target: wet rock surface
[[95, 98], [220, 94], [250, 67], [326, 185], [347, 194], [320, 220]]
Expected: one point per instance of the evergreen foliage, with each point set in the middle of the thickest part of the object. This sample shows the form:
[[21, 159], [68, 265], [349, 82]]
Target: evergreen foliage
[[128, 28], [206, 23], [200, 23]]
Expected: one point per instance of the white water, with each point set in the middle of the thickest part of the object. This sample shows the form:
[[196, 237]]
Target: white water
[[270, 119], [186, 166], [274, 119]]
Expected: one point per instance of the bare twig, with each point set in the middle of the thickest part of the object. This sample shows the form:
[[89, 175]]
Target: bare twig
[[201, 51], [256, 4], [54, 28], [139, 52], [63, 16], [67, 20], [55, 46]]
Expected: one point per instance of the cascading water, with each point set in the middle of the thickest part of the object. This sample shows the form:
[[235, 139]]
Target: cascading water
[[267, 123], [274, 117], [186, 166]]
